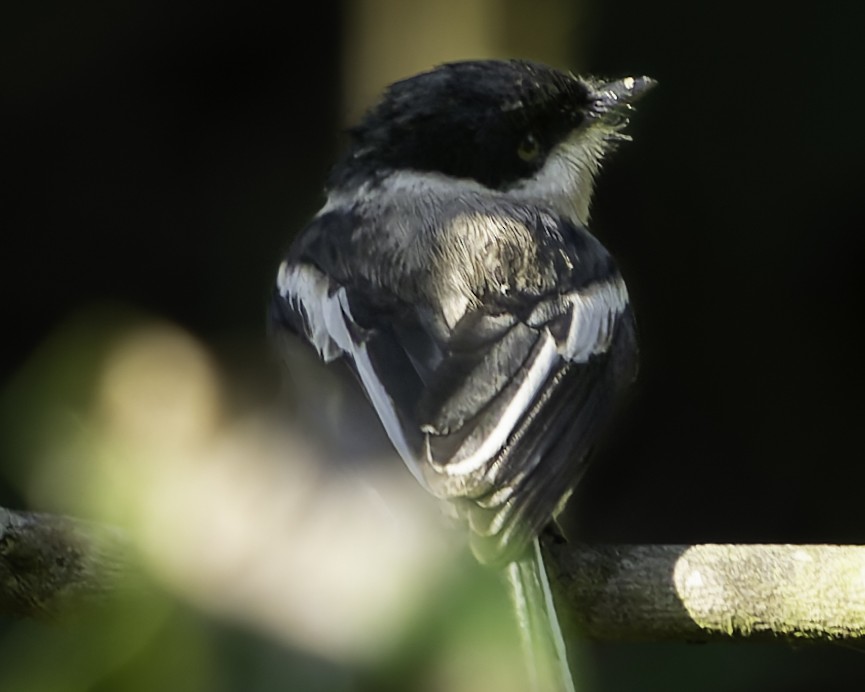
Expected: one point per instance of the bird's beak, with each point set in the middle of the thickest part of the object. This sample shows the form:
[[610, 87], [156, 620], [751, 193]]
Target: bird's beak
[[617, 97]]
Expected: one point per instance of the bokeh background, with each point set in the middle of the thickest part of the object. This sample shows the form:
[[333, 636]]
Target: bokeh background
[[157, 158]]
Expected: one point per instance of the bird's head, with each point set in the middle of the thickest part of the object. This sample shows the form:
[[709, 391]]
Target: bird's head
[[513, 126]]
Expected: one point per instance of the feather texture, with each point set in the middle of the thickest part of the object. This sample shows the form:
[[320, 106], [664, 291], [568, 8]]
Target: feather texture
[[492, 352]]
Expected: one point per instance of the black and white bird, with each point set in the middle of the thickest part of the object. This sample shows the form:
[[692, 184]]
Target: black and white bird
[[453, 271]]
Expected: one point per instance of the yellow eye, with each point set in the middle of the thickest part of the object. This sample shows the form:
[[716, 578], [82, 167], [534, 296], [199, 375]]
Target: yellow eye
[[529, 148]]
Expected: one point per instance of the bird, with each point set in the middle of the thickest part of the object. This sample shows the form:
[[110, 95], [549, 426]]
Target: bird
[[452, 270]]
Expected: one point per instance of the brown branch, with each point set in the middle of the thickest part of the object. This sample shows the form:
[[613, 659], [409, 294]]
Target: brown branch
[[49, 565], [712, 592]]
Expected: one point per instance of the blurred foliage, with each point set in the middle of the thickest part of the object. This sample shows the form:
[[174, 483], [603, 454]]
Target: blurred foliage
[[124, 419]]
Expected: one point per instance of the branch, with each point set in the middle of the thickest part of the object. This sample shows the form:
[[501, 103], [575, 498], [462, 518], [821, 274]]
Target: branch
[[712, 592], [50, 565]]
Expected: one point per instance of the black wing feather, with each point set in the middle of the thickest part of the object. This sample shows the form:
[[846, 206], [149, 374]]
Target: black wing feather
[[498, 413]]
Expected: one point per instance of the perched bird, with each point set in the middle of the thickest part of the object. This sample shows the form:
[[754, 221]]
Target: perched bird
[[452, 270]]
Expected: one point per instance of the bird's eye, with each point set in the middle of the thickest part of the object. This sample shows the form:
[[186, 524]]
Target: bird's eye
[[529, 148]]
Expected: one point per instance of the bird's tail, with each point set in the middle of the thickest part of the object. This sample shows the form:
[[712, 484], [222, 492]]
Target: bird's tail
[[543, 644]]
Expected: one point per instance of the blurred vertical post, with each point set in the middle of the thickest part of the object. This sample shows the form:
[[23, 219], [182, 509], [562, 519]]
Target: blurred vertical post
[[386, 40]]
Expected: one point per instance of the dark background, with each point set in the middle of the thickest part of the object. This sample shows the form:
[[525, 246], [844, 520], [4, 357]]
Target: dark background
[[161, 155]]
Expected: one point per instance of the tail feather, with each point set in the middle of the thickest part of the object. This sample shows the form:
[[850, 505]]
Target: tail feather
[[542, 640]]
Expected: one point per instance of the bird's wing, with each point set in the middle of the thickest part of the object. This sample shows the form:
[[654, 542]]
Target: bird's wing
[[516, 409], [498, 411]]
